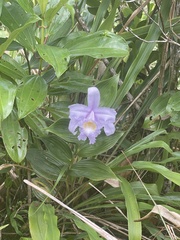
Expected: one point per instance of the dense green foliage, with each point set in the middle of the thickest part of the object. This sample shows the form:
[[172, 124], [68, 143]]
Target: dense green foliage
[[51, 53]]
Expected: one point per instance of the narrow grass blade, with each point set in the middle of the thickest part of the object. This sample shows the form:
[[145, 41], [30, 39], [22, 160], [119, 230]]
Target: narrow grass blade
[[134, 228]]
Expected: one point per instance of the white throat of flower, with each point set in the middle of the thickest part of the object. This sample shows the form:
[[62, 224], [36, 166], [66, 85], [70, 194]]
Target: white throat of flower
[[89, 127]]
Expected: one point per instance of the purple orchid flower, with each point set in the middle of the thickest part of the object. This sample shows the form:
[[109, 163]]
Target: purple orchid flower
[[92, 118]]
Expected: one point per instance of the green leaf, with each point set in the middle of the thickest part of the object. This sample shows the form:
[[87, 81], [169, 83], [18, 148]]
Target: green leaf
[[101, 44], [60, 26], [92, 234], [24, 238], [43, 5], [52, 11], [174, 102], [14, 17], [7, 96], [138, 188], [58, 109], [26, 5], [108, 90], [43, 222], [72, 82], [15, 138], [44, 163], [100, 15], [11, 68], [134, 228], [37, 124], [138, 63], [175, 116], [1, 5], [58, 148], [158, 107], [110, 20], [55, 56], [30, 95], [133, 150], [15, 33], [60, 128], [172, 176], [144, 143], [92, 169], [103, 144]]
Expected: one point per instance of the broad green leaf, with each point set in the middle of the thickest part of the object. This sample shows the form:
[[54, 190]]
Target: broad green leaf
[[14, 17], [60, 128], [172, 176], [103, 144], [60, 26], [14, 34], [174, 196], [59, 109], [134, 228], [152, 122], [58, 148], [52, 11], [13, 46], [43, 222], [11, 68], [7, 96], [108, 90], [72, 82], [92, 169], [43, 5], [44, 184], [138, 188], [71, 10], [55, 56], [153, 144], [37, 124], [175, 116], [174, 102], [137, 149], [138, 146], [26, 5], [30, 95], [158, 107], [15, 138], [44, 163], [101, 44]]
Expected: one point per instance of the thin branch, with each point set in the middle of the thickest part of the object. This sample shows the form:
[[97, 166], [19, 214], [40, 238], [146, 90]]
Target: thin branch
[[133, 15]]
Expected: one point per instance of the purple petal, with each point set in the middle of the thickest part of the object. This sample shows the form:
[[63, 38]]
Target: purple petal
[[109, 129], [90, 117], [92, 139], [73, 124], [78, 111], [104, 114], [93, 97], [82, 136]]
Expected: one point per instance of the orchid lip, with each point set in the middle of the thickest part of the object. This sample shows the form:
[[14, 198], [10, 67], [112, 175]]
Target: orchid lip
[[89, 127]]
